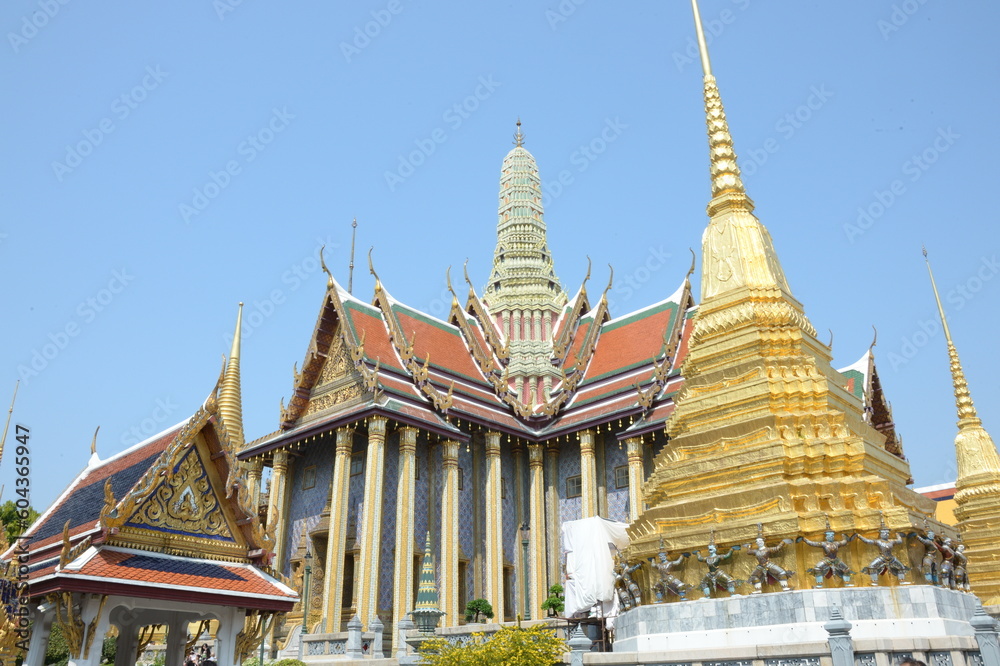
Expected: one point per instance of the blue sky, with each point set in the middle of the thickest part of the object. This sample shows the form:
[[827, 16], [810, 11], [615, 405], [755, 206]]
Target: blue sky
[[165, 161]]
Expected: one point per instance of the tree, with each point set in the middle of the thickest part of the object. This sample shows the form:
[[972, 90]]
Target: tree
[[511, 646], [57, 651], [478, 607], [16, 520], [554, 602]]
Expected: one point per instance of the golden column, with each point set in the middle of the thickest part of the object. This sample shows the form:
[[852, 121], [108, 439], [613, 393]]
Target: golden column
[[254, 469], [336, 544], [371, 526], [977, 495], [588, 475], [536, 540], [494, 526], [403, 567], [449, 533], [552, 512], [635, 477], [276, 506]]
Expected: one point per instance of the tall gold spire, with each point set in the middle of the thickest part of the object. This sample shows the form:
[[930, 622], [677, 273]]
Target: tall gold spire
[[725, 171], [737, 249], [3, 440], [230, 399], [977, 496], [975, 450]]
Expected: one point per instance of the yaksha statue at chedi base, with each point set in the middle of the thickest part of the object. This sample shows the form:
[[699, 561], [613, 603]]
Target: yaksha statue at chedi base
[[668, 583], [886, 560], [831, 564], [929, 565], [961, 570], [716, 578], [767, 571], [628, 590]]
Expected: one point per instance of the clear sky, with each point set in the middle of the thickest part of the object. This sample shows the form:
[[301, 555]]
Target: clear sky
[[164, 161]]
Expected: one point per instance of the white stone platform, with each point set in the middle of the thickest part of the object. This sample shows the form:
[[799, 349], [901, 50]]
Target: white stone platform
[[784, 618]]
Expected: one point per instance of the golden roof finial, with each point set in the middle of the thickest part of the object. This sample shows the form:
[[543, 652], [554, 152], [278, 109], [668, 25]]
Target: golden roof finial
[[518, 135], [230, 398], [587, 276], [3, 440], [350, 266], [93, 442], [322, 263], [694, 258], [725, 171], [371, 269], [447, 278], [874, 339]]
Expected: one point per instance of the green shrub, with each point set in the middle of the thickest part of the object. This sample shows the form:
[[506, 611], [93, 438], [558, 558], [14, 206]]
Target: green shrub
[[478, 607], [511, 646]]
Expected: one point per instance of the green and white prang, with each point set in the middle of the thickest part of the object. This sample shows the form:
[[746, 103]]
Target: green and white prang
[[524, 296]]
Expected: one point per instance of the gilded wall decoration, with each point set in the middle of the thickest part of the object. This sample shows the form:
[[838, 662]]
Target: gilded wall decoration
[[184, 502]]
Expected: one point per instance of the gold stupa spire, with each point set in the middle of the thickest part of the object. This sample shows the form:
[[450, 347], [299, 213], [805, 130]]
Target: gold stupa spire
[[737, 249], [3, 440], [725, 171], [230, 399], [977, 488], [976, 452]]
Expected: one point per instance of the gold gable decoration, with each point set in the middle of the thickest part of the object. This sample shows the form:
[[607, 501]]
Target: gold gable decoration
[[185, 502]]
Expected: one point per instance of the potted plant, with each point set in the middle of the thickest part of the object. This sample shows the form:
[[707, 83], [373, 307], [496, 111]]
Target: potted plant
[[554, 603], [477, 608]]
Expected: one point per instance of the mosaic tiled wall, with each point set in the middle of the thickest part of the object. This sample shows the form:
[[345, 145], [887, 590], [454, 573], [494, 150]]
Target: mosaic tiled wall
[[355, 493], [421, 490], [615, 455], [509, 509], [306, 504], [570, 508], [390, 481], [466, 520]]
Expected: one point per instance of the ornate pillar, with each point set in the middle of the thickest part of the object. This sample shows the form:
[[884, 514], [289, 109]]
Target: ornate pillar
[[39, 637], [635, 477], [254, 469], [449, 534], [588, 475], [276, 513], [536, 540], [402, 602], [521, 519], [371, 526], [494, 526], [553, 534], [336, 544]]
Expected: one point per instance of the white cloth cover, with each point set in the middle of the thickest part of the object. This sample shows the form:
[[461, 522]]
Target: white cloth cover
[[590, 577]]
